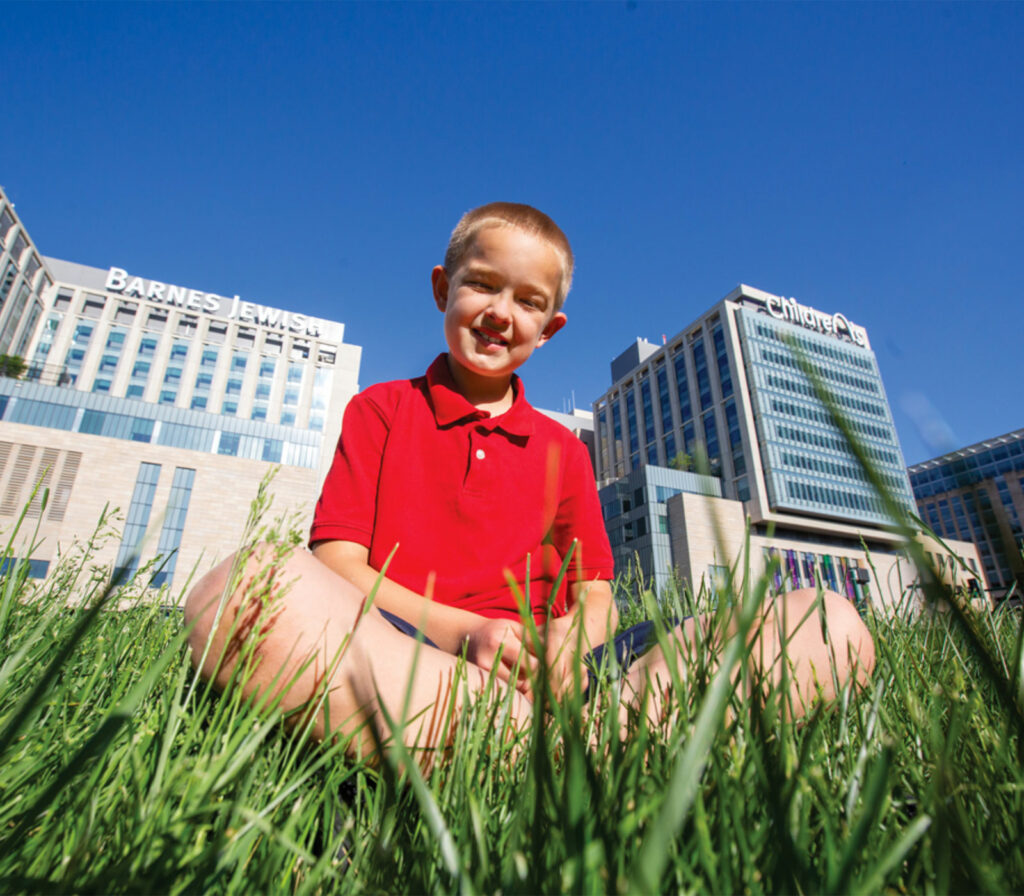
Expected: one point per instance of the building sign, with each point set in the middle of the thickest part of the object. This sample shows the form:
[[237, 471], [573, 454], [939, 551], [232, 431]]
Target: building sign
[[837, 324], [118, 280]]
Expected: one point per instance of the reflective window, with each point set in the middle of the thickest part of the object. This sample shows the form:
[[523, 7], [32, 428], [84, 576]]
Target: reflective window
[[174, 524], [138, 518], [228, 444]]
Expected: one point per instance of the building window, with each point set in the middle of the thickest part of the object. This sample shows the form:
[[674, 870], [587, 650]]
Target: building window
[[6, 223], [156, 320], [272, 450], [229, 442], [174, 524], [142, 430], [138, 518], [217, 332]]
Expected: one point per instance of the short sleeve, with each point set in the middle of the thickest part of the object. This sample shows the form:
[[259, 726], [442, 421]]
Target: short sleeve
[[579, 520], [346, 508]]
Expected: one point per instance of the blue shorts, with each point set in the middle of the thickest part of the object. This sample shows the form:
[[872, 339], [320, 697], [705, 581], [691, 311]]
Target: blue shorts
[[627, 646]]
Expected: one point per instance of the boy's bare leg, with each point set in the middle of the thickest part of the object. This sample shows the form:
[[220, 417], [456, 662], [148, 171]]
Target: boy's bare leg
[[788, 631], [306, 636]]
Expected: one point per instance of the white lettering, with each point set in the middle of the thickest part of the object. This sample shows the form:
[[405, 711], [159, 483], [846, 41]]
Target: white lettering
[[837, 324], [176, 295], [116, 279], [269, 317]]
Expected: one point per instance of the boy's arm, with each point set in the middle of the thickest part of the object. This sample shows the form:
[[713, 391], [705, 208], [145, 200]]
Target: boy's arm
[[591, 621], [490, 643]]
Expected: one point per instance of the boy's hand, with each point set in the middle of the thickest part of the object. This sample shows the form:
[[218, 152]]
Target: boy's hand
[[501, 645], [562, 652]]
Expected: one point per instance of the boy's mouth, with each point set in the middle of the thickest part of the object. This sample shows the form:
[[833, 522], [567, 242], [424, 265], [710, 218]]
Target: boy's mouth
[[489, 338]]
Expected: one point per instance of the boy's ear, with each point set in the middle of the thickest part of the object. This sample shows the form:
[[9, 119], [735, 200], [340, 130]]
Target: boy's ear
[[439, 282], [554, 325]]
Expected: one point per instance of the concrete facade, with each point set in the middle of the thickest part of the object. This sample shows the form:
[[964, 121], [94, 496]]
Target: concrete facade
[[710, 542], [160, 408]]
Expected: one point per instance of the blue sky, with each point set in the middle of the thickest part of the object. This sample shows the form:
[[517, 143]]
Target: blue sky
[[862, 158]]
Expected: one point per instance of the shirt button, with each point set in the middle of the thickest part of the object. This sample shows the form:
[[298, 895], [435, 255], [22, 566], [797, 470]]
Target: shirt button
[[480, 454]]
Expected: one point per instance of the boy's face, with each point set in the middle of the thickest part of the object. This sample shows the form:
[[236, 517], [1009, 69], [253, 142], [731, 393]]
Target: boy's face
[[499, 304]]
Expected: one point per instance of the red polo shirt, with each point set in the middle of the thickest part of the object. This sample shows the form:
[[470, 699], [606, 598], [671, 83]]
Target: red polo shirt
[[464, 495]]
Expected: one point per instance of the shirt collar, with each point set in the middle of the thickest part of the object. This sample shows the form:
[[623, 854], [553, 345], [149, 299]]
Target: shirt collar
[[449, 405]]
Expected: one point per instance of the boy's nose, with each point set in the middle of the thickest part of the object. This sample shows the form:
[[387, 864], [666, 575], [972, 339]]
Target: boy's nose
[[500, 307]]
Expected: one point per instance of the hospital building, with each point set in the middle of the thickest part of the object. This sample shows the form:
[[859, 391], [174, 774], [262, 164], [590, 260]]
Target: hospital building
[[158, 406], [721, 430]]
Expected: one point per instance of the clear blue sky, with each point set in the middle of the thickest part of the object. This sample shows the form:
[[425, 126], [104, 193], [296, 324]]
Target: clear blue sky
[[863, 158]]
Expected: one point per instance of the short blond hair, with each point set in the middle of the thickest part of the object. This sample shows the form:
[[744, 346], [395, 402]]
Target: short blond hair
[[511, 214]]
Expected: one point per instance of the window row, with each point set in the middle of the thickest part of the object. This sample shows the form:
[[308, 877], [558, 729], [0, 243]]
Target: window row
[[848, 401], [814, 347], [782, 359], [819, 415], [832, 497]]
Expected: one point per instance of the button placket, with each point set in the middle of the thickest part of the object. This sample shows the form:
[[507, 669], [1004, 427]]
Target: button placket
[[476, 475]]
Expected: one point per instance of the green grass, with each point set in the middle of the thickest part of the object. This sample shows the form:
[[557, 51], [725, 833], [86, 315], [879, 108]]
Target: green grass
[[121, 772]]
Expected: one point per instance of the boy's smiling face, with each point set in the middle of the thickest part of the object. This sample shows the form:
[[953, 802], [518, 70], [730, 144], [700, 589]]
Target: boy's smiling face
[[499, 305]]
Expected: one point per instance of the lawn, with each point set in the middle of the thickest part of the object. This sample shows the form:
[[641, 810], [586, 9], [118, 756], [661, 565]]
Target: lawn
[[121, 772]]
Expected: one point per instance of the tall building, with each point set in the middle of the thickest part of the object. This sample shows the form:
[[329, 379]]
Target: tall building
[[165, 404], [977, 494], [729, 396], [23, 283]]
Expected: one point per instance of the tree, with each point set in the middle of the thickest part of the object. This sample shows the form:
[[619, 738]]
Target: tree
[[12, 366], [681, 462]]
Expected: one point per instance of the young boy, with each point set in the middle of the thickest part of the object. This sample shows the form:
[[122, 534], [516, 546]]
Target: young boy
[[450, 484]]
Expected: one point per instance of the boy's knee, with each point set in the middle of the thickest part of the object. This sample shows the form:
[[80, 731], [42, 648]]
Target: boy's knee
[[845, 632], [218, 606]]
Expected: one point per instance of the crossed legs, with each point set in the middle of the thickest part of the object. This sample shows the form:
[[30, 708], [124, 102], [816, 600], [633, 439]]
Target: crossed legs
[[304, 634]]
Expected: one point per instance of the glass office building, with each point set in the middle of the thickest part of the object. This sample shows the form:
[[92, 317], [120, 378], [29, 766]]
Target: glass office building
[[736, 395], [977, 494], [168, 404]]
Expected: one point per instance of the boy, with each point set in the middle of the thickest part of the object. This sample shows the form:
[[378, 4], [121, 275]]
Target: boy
[[449, 483]]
